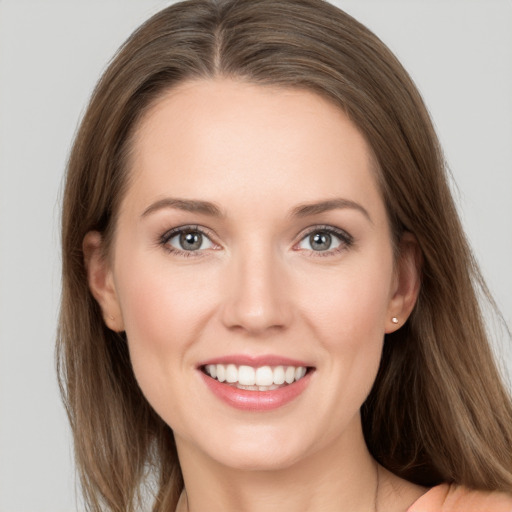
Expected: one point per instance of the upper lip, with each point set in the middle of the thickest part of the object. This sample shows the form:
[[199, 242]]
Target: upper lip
[[254, 361]]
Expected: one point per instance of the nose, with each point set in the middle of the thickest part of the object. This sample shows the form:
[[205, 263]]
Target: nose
[[257, 298]]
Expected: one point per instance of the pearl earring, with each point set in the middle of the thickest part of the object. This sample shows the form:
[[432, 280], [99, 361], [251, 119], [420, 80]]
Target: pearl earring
[[394, 320]]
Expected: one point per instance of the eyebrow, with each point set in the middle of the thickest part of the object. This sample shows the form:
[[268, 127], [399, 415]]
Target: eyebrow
[[187, 205], [211, 209], [316, 208]]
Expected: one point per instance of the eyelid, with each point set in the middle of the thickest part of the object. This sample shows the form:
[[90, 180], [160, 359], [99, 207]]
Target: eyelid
[[346, 238], [171, 233], [186, 227]]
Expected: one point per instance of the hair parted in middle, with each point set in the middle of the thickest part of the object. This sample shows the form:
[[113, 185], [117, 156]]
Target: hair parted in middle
[[438, 411]]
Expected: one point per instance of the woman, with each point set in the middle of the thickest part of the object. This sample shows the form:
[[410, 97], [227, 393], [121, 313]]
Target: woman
[[268, 299]]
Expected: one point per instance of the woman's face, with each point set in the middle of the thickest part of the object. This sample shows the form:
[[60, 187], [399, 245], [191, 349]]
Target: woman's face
[[252, 244]]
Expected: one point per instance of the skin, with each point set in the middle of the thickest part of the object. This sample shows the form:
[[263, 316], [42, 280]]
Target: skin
[[257, 287]]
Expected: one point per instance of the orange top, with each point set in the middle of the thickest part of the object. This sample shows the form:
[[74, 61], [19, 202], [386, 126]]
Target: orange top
[[456, 498]]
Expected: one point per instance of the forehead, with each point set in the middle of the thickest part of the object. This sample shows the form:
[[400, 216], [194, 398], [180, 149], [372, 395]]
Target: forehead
[[222, 138]]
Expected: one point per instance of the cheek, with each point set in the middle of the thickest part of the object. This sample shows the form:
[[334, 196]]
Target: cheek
[[349, 320], [349, 324], [163, 312], [348, 307], [352, 334], [159, 303]]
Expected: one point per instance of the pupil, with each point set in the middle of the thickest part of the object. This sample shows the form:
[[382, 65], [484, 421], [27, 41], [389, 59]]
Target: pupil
[[320, 241], [191, 241]]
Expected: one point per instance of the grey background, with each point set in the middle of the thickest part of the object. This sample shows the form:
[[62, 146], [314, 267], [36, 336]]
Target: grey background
[[51, 53]]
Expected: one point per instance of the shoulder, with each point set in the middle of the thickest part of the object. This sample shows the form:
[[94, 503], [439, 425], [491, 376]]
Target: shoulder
[[457, 498]]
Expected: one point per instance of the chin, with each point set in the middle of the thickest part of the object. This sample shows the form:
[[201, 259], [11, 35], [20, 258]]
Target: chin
[[259, 451], [258, 460]]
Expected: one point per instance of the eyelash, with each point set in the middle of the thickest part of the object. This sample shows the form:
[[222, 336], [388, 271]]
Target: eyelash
[[168, 235], [345, 238]]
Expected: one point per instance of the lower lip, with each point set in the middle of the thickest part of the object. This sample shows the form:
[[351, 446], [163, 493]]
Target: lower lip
[[256, 400]]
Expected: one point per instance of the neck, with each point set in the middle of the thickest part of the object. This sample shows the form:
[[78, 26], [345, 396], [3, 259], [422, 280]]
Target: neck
[[342, 472]]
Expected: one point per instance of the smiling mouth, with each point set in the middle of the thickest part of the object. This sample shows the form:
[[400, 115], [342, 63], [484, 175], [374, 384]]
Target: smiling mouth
[[262, 378]]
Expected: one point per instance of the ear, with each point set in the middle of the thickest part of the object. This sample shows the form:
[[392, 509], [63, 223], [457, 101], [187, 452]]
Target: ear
[[101, 281], [406, 284]]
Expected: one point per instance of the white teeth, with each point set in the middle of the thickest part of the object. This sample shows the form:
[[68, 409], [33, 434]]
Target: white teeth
[[289, 374], [300, 372], [212, 370], [257, 388], [279, 375], [264, 378], [221, 373], [246, 375], [231, 373]]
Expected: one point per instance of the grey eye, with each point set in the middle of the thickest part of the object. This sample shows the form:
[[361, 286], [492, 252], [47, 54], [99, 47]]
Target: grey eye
[[320, 241], [190, 241]]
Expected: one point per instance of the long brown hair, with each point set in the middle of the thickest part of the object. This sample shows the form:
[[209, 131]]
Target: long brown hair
[[438, 411]]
